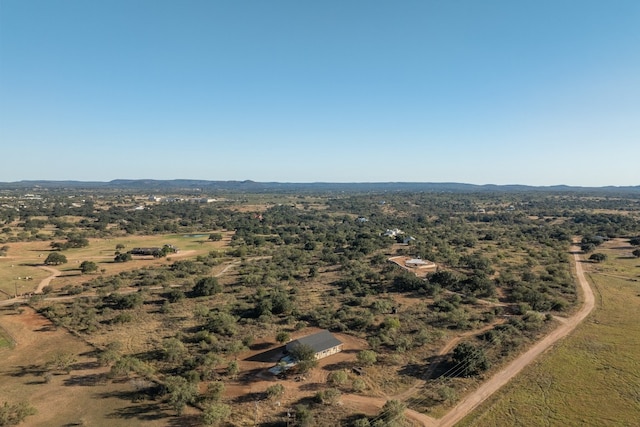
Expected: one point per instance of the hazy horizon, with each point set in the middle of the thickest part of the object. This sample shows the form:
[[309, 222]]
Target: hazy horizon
[[506, 93]]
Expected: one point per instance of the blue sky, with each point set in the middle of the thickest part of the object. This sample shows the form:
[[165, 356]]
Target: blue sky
[[530, 92]]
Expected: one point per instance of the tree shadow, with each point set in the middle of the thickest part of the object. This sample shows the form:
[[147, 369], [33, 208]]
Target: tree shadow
[[339, 366], [22, 371], [81, 366], [151, 355], [437, 367], [414, 370], [249, 397], [261, 346], [421, 403], [142, 412], [312, 386], [90, 353], [90, 380], [185, 421], [249, 376]]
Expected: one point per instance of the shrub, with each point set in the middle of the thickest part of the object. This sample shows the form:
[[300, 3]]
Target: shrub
[[367, 357], [206, 286], [337, 378], [275, 391]]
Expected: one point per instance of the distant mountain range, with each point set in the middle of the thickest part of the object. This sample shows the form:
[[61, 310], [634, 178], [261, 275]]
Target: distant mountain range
[[152, 185]]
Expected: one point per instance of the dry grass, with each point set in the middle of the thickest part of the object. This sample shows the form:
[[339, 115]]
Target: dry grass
[[24, 258], [592, 377], [67, 399]]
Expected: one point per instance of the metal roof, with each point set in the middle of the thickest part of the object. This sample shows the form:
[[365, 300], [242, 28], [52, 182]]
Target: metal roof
[[319, 341]]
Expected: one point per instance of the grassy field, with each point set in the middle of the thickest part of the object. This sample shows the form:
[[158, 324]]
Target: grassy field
[[592, 377], [5, 340], [23, 258]]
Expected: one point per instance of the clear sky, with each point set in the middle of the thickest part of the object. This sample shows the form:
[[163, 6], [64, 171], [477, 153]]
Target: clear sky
[[537, 92]]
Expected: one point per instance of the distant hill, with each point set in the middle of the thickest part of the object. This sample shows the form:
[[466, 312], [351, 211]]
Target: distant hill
[[152, 185]]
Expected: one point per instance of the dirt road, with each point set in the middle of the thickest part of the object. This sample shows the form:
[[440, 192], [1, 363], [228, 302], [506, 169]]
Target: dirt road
[[47, 280], [470, 402]]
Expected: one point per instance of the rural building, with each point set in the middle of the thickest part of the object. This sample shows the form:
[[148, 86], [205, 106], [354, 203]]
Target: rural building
[[407, 240], [393, 233], [154, 251], [418, 263], [323, 343], [144, 251]]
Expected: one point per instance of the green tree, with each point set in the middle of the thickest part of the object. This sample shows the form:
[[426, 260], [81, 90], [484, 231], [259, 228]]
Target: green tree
[[392, 412], [181, 392], [110, 354], [76, 241], [330, 396], [358, 385], [174, 349], [125, 366], [123, 257], [302, 352], [636, 253], [14, 414], [305, 356], [63, 361], [587, 247], [215, 414], [55, 258], [214, 391], [222, 323], [283, 337], [275, 391], [233, 369], [470, 358], [367, 357], [206, 286], [598, 257], [337, 378], [88, 267], [304, 416], [215, 237]]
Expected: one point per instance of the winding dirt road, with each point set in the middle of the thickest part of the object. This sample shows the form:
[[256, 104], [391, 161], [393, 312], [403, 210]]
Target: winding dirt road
[[47, 280], [473, 400]]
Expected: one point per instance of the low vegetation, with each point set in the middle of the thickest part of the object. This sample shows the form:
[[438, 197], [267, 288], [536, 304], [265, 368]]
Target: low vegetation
[[599, 359], [190, 327]]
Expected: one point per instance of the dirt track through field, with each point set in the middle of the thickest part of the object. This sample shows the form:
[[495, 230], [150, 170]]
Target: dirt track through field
[[47, 280], [473, 400]]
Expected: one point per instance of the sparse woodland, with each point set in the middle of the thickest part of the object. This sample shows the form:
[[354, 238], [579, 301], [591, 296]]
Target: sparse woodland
[[180, 331]]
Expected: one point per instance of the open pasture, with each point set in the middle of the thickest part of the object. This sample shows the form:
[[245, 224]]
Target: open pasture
[[24, 259], [593, 376]]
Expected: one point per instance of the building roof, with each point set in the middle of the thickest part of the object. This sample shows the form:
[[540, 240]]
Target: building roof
[[319, 341]]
